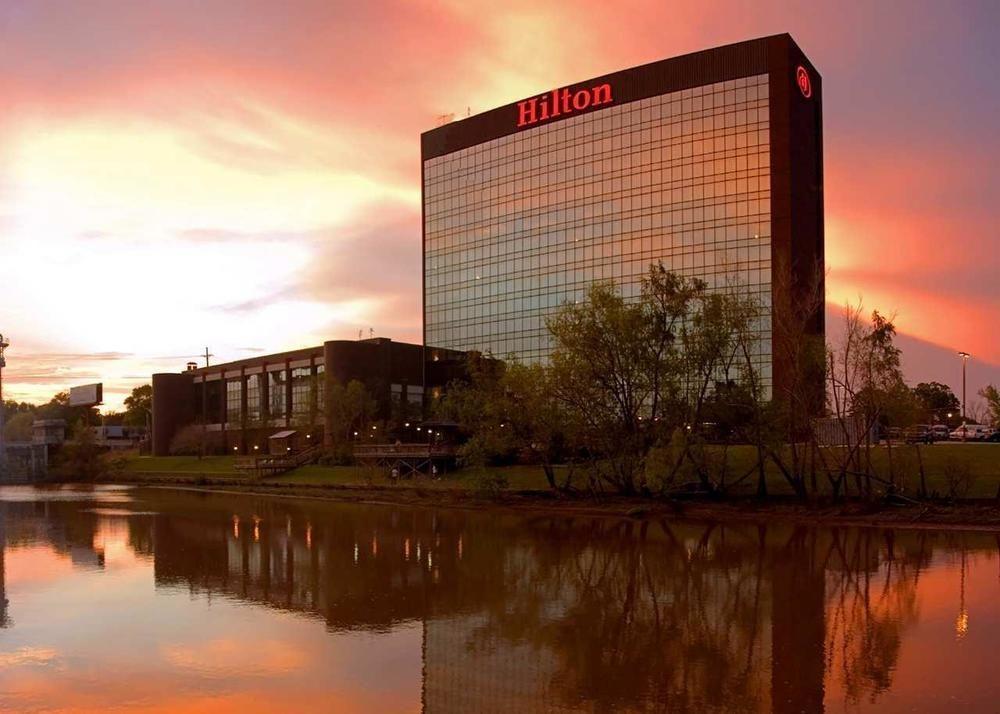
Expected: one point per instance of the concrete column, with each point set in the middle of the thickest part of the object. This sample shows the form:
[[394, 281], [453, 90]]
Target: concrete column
[[288, 394], [243, 410]]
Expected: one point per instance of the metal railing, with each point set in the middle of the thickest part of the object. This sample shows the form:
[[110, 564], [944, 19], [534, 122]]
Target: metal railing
[[403, 451], [273, 464]]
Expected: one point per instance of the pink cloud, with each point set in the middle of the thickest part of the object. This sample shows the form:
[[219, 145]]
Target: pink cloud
[[272, 93]]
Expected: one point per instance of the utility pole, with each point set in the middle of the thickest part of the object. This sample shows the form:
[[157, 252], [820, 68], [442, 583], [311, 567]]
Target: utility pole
[[207, 355], [4, 344], [965, 360]]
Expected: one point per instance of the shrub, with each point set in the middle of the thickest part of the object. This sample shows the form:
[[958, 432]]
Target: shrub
[[80, 459], [369, 474], [337, 455], [491, 484], [959, 477], [115, 464], [192, 439]]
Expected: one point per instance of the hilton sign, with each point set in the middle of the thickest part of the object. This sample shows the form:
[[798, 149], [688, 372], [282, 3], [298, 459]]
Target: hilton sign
[[560, 102]]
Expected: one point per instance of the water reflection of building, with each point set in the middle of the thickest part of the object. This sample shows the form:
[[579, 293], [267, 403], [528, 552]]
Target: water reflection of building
[[798, 612], [4, 618], [464, 672], [354, 572], [547, 614]]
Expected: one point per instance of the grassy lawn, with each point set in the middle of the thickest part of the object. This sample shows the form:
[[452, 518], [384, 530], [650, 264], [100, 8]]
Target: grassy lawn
[[980, 461], [518, 477], [214, 465]]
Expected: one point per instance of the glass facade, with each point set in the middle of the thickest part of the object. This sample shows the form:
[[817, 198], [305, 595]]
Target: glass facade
[[517, 226], [319, 387], [277, 394], [234, 401], [302, 391], [253, 398]]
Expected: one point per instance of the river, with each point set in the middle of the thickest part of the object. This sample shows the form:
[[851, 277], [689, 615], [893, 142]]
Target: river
[[132, 599]]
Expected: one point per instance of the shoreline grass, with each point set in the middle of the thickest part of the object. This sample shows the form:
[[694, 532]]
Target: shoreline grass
[[982, 462]]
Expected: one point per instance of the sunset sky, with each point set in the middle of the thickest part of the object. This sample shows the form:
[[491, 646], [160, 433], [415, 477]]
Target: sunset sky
[[246, 176]]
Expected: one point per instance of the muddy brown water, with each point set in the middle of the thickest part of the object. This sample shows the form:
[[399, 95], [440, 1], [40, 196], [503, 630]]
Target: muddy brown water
[[142, 599]]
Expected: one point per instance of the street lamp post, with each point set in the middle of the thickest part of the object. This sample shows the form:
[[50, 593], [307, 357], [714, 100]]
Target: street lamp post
[[965, 359]]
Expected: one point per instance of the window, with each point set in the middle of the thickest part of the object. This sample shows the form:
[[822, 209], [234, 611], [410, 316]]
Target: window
[[234, 401], [278, 393], [253, 398], [301, 393], [319, 386]]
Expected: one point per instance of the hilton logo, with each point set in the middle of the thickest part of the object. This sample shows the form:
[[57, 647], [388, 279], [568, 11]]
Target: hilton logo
[[559, 102], [802, 79]]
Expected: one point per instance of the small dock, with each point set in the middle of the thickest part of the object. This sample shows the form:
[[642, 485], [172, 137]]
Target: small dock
[[263, 465], [407, 459]]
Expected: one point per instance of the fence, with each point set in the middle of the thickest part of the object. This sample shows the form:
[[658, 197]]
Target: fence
[[24, 463], [831, 431]]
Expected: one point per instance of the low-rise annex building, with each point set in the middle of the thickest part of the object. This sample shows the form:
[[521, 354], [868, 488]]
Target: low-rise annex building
[[242, 404]]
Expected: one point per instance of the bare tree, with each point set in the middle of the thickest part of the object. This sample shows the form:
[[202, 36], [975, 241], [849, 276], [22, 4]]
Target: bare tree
[[863, 378]]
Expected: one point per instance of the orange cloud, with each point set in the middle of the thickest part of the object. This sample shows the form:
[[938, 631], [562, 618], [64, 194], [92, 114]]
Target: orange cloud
[[248, 174]]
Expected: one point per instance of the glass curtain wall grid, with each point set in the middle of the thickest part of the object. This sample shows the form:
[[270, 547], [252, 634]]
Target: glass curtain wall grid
[[519, 225]]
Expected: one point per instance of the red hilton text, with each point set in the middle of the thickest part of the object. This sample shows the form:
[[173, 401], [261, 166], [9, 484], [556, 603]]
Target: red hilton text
[[560, 102]]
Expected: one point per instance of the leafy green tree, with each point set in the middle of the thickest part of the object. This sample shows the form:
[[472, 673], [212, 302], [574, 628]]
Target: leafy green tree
[[138, 405], [635, 373], [348, 409], [608, 370], [11, 408], [992, 397], [59, 408], [480, 405], [18, 427], [509, 411], [937, 401], [81, 458], [900, 406], [112, 418]]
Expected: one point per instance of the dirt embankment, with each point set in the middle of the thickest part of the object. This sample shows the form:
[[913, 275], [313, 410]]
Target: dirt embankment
[[966, 515]]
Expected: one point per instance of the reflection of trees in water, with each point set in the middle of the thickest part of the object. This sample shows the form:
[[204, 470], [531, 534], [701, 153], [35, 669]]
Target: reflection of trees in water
[[672, 624], [595, 614], [872, 600], [640, 615]]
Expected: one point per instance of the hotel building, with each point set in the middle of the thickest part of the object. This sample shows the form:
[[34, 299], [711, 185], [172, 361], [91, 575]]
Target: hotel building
[[242, 404], [710, 162]]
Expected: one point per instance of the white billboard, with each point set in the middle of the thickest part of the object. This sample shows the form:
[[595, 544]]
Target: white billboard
[[87, 395]]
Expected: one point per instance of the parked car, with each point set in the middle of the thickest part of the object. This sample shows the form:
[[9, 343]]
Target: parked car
[[919, 434], [970, 432], [994, 436], [980, 432], [941, 432]]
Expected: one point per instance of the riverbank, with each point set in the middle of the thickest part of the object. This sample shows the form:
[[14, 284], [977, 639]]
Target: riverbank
[[525, 490], [965, 471]]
